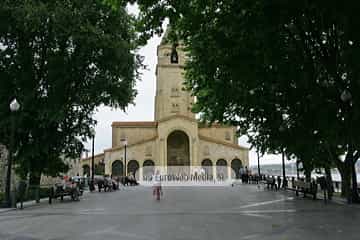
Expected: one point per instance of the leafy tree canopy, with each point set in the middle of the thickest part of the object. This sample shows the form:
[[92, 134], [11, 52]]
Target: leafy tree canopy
[[286, 72], [61, 60]]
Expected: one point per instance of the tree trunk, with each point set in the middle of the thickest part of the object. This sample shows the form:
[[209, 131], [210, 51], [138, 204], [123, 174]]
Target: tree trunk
[[35, 184], [345, 174], [329, 182], [34, 179], [307, 175], [355, 194]]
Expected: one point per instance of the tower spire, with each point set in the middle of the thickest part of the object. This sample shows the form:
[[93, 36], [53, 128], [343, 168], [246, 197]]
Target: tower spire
[[170, 97]]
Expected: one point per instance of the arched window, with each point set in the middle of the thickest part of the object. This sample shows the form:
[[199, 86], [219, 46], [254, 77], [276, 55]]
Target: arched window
[[132, 168], [117, 168], [207, 165], [221, 169], [178, 153], [174, 58], [148, 169], [236, 165]]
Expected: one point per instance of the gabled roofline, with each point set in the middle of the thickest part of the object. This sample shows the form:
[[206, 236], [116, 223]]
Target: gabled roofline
[[131, 145], [208, 139], [151, 124], [165, 119], [214, 125], [95, 156]]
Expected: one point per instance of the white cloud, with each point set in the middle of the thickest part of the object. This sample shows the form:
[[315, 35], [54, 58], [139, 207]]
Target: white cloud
[[144, 102]]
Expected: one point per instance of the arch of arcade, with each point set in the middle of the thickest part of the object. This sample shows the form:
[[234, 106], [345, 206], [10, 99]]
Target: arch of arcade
[[175, 138]]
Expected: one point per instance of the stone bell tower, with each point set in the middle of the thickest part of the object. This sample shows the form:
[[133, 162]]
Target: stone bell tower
[[170, 98]]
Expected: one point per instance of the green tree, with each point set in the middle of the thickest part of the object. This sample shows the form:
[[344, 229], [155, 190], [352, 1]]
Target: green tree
[[61, 60], [275, 69]]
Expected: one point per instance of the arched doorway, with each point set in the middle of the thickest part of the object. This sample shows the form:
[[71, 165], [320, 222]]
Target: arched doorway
[[117, 168], [178, 153], [236, 165], [148, 169], [207, 165], [132, 168], [221, 169], [86, 170]]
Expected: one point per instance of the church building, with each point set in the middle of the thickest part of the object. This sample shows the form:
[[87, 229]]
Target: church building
[[175, 139]]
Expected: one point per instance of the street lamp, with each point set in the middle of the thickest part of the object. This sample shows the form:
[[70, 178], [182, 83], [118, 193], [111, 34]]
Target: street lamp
[[92, 159], [282, 129], [124, 143], [345, 96], [14, 107], [283, 168]]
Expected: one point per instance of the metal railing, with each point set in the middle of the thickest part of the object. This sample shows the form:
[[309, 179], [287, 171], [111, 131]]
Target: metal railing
[[23, 193]]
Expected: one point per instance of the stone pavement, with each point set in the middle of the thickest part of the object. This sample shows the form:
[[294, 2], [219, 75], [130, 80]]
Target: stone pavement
[[43, 201], [240, 212]]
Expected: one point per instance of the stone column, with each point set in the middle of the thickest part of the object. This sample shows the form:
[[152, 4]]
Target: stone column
[[229, 172], [141, 173], [162, 157], [214, 171], [107, 163]]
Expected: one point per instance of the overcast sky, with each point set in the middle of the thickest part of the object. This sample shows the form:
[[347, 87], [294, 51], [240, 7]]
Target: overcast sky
[[143, 110]]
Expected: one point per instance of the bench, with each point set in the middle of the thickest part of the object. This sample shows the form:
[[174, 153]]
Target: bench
[[127, 181], [60, 190], [271, 182], [305, 187]]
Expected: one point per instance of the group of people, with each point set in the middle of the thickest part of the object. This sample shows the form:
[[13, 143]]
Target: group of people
[[247, 176], [129, 180], [112, 182]]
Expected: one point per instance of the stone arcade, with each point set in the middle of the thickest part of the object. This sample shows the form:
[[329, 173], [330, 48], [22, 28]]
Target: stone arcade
[[175, 138]]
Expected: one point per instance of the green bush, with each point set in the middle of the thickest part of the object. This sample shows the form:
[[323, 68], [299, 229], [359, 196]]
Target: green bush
[[44, 192], [31, 194]]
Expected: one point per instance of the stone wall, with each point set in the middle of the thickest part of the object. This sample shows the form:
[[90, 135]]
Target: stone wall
[[133, 134], [214, 152], [221, 133], [87, 161], [139, 152]]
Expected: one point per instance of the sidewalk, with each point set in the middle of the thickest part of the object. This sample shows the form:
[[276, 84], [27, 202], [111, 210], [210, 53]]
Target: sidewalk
[[26, 205], [335, 199], [2, 210]]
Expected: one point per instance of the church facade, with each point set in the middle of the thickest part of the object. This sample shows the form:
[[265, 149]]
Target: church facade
[[175, 139]]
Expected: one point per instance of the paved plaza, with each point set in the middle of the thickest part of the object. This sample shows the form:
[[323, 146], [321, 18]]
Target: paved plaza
[[219, 213]]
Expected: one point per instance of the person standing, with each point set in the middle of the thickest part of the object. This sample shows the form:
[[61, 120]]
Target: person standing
[[157, 189]]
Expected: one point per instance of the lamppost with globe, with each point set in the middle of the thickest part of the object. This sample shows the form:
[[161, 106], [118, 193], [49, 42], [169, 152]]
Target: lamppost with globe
[[92, 183], [284, 185], [124, 143], [14, 107]]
